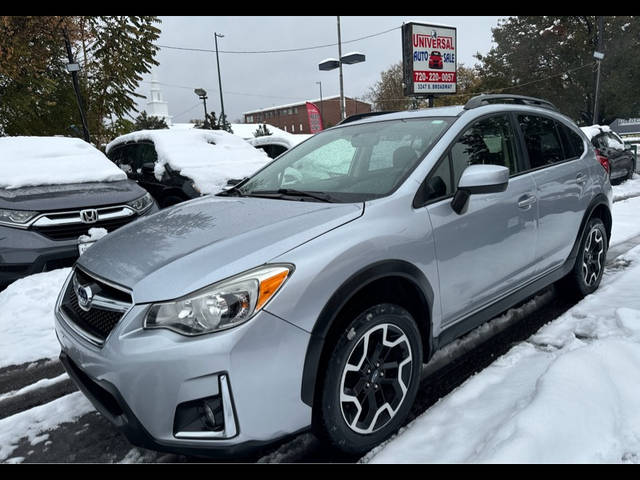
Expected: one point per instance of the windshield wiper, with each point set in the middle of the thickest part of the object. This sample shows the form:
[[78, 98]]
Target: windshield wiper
[[322, 197]]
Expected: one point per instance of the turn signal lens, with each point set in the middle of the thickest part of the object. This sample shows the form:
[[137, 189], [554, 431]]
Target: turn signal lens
[[269, 286]]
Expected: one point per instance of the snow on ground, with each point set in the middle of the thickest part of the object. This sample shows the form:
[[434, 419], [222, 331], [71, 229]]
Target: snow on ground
[[627, 189], [32, 161], [26, 318], [626, 220], [35, 422], [209, 157], [567, 395]]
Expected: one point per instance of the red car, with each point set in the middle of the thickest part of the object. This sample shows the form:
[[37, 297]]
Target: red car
[[435, 60]]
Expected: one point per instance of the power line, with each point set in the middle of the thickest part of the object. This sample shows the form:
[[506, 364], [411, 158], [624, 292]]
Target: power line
[[286, 50], [226, 92]]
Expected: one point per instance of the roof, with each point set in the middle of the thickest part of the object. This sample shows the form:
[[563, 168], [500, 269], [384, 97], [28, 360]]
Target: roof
[[297, 104]]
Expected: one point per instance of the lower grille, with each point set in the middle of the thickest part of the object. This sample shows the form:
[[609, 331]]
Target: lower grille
[[97, 321]]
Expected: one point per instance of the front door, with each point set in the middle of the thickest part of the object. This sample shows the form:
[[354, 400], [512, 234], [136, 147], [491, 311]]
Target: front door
[[486, 251]]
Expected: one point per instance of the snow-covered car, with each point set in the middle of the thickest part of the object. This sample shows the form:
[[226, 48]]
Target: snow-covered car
[[178, 165], [53, 190], [276, 144], [609, 146]]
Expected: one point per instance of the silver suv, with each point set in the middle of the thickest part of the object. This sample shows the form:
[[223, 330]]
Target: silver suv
[[310, 294]]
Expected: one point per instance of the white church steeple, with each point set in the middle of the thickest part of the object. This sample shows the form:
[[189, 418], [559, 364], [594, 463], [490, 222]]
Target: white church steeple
[[156, 106]]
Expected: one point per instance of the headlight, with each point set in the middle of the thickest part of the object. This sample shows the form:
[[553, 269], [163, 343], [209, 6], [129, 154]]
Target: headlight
[[16, 218], [142, 203], [222, 305]]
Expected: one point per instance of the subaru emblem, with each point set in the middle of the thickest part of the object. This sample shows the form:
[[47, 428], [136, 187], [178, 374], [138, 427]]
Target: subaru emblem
[[84, 294]]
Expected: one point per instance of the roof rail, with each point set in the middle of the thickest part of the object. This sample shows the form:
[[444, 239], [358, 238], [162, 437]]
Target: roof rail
[[484, 99], [359, 116]]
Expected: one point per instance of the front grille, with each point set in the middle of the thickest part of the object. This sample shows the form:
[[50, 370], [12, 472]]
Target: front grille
[[98, 321], [74, 230]]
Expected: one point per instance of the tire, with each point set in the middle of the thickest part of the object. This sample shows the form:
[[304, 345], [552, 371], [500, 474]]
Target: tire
[[590, 261], [384, 394]]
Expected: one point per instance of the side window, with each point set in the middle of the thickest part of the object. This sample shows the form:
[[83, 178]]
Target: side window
[[146, 154], [541, 139], [489, 141], [571, 141]]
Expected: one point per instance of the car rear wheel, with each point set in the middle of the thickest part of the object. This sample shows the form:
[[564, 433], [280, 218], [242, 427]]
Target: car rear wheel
[[590, 261], [372, 378]]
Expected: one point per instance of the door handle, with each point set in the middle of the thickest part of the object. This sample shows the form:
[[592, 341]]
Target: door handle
[[581, 178], [526, 201]]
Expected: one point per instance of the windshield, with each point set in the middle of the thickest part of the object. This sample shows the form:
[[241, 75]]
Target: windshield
[[350, 163]]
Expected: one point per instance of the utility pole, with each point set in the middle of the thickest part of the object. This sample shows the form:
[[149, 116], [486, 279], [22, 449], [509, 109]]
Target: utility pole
[[223, 118], [321, 105], [598, 55], [73, 67], [342, 107]]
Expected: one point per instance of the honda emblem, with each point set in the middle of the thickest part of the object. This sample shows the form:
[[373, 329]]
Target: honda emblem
[[89, 216]]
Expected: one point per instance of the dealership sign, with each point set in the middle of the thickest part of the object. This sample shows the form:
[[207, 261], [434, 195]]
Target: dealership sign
[[429, 59]]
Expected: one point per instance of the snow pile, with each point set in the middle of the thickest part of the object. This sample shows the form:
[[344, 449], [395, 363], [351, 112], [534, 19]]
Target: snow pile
[[627, 189], [569, 394], [33, 424], [26, 318], [247, 130], [593, 130], [95, 234], [32, 161], [285, 139], [209, 157]]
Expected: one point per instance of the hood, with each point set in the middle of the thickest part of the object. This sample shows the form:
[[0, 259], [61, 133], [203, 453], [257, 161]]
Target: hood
[[72, 196], [196, 243]]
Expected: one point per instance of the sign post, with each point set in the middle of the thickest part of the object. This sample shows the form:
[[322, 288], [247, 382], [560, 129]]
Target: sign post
[[430, 61]]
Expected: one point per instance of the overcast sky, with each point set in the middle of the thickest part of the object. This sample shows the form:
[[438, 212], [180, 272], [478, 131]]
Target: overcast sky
[[259, 80]]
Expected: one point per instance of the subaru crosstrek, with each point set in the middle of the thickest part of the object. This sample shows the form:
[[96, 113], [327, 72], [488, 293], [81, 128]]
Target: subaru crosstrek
[[310, 294]]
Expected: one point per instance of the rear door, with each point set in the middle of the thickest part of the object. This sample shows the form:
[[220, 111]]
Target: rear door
[[555, 157], [488, 250]]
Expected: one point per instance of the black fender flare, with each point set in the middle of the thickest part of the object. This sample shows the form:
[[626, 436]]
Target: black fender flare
[[342, 295], [599, 200]]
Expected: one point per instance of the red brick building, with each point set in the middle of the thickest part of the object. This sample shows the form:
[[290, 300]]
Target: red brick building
[[293, 117]]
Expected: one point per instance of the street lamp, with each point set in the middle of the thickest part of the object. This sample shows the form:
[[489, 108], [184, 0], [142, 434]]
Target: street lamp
[[202, 95], [332, 63], [222, 116]]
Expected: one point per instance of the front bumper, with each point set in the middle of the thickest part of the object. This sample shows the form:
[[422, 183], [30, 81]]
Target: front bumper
[[138, 378]]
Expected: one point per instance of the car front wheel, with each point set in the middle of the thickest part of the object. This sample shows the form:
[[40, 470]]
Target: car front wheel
[[372, 378]]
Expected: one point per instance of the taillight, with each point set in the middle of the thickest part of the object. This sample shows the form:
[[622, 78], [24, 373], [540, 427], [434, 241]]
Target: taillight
[[604, 161]]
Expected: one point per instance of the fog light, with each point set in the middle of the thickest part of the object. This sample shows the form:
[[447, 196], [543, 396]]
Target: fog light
[[207, 418]]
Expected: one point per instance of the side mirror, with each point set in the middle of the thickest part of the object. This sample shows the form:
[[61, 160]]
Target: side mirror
[[478, 179]]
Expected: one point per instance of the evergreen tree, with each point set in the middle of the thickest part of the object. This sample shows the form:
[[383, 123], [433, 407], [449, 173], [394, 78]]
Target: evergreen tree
[[552, 57], [144, 122]]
